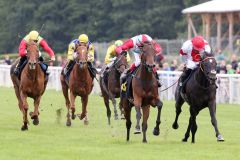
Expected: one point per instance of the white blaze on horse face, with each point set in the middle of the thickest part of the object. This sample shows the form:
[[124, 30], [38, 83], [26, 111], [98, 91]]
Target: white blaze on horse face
[[213, 71], [210, 60]]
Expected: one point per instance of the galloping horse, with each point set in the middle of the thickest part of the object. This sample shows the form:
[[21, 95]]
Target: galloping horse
[[32, 84], [111, 89], [145, 92], [200, 93], [80, 84]]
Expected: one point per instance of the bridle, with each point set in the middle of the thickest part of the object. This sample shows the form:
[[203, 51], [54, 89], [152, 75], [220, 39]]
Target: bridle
[[211, 80], [149, 67]]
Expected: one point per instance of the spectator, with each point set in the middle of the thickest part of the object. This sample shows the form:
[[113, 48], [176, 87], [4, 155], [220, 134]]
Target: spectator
[[7, 60], [221, 68], [173, 66], [166, 67], [230, 70], [220, 56], [234, 61]]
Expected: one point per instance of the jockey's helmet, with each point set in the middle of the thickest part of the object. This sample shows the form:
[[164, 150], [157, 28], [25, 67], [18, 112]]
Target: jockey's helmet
[[198, 43], [118, 43], [33, 35], [83, 38]]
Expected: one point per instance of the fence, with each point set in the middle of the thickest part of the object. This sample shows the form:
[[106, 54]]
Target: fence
[[228, 84]]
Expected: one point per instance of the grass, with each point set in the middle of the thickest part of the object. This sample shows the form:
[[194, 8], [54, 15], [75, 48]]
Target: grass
[[51, 139]]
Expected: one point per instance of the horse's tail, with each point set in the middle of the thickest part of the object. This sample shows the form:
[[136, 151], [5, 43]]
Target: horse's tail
[[14, 66]]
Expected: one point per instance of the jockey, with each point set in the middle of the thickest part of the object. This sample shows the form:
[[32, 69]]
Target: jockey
[[111, 56], [82, 40], [136, 44], [33, 35], [191, 54]]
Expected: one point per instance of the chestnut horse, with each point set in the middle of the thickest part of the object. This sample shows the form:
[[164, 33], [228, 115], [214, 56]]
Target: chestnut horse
[[145, 92], [200, 93], [32, 84], [110, 84], [80, 84]]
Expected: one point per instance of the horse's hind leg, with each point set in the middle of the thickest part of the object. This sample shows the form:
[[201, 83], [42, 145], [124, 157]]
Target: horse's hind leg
[[35, 114], [144, 123], [156, 130], [65, 94], [127, 114], [178, 107], [106, 102], [72, 100], [212, 110], [115, 108], [122, 110]]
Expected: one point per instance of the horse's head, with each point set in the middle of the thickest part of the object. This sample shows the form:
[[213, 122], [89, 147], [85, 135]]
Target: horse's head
[[208, 66], [147, 55], [120, 63], [32, 54], [82, 56]]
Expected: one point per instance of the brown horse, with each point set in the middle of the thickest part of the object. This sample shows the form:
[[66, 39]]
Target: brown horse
[[80, 84], [145, 92], [110, 84], [31, 84]]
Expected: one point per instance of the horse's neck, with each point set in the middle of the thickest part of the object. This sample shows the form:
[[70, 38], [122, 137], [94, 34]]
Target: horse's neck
[[33, 73], [201, 78], [81, 72], [143, 74]]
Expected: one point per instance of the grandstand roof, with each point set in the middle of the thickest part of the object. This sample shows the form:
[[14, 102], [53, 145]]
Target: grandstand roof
[[215, 6]]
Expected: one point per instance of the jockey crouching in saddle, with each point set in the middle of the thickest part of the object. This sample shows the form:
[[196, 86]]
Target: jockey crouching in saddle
[[191, 52], [82, 40], [111, 56], [22, 51], [136, 43]]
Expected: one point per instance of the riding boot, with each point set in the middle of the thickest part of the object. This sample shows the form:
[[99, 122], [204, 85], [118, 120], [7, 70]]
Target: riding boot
[[183, 78], [19, 65], [158, 80], [67, 67], [123, 76], [93, 69]]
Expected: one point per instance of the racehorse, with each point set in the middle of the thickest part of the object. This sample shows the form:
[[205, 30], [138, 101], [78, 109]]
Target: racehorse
[[110, 84], [145, 92], [32, 83], [200, 93], [80, 84]]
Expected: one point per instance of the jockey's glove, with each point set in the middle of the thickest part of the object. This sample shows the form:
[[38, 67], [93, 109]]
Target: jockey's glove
[[53, 58]]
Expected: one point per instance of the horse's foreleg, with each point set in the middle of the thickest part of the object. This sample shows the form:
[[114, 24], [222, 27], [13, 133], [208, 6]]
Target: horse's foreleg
[[144, 123], [138, 104], [16, 89], [156, 130], [212, 110], [188, 130], [67, 101], [25, 110], [84, 100], [35, 114], [72, 100], [127, 114], [178, 107], [122, 110]]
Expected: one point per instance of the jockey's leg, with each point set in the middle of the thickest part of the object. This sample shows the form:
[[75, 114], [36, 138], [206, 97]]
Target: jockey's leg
[[157, 77], [19, 65], [67, 67], [183, 78], [92, 68]]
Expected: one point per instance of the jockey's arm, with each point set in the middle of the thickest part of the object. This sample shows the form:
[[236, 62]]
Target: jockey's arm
[[46, 48], [71, 49], [91, 53], [110, 53], [128, 44], [22, 48]]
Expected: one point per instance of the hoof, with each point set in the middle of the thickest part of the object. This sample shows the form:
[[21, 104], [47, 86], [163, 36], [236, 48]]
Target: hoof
[[116, 117], [156, 132], [68, 123], [175, 126], [35, 121], [137, 131], [184, 140], [220, 138], [81, 116], [73, 116], [144, 141], [24, 128], [86, 122]]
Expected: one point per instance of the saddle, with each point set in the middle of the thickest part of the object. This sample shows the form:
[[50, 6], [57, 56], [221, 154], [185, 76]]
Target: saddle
[[43, 66]]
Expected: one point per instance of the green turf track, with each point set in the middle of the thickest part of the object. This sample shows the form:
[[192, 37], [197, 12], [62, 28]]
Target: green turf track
[[54, 141]]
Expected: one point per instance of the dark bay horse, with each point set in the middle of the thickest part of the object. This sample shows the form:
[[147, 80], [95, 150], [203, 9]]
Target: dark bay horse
[[32, 84], [145, 92], [200, 93], [80, 84], [112, 89]]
